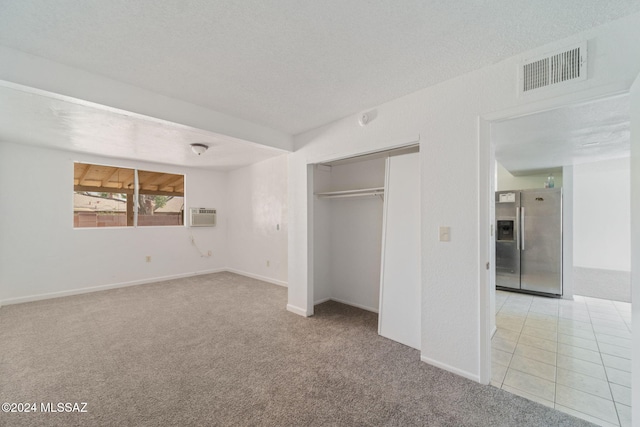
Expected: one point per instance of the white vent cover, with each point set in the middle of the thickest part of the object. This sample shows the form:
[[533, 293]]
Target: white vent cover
[[568, 65], [203, 217]]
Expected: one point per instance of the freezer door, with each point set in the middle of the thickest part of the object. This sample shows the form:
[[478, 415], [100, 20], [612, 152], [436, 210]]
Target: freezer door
[[541, 241], [507, 265], [507, 252]]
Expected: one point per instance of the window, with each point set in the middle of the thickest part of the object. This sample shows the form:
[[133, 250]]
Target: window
[[107, 196], [160, 198]]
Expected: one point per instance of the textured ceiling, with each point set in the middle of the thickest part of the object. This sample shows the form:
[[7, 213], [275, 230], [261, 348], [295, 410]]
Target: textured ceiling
[[589, 132], [291, 64]]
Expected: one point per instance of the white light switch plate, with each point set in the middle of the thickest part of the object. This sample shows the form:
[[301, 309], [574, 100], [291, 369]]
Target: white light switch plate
[[445, 234]]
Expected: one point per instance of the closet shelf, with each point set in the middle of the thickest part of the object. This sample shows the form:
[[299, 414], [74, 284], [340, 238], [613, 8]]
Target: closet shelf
[[376, 191]]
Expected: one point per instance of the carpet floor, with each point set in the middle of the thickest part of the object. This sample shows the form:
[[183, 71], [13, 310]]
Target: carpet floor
[[221, 350]]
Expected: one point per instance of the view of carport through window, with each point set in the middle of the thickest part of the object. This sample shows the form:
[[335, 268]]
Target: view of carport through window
[[105, 196]]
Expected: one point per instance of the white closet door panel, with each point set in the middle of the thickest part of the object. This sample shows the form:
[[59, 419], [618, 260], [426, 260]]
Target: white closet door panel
[[399, 318]]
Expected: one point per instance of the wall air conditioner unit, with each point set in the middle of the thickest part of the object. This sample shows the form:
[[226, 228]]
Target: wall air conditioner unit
[[202, 217]]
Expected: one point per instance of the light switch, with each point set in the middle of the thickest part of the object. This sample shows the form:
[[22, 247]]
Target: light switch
[[445, 234]]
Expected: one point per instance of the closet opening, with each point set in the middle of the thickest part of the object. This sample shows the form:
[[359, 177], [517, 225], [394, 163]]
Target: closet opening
[[366, 238]]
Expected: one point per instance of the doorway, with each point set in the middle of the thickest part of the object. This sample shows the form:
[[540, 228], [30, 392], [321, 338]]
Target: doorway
[[574, 353]]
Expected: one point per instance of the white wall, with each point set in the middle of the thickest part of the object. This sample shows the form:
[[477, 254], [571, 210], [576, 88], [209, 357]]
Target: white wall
[[506, 181], [446, 117], [356, 244], [257, 220], [358, 175], [41, 254], [602, 215]]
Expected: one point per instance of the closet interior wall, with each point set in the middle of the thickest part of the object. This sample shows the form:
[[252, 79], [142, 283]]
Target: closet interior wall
[[348, 234]]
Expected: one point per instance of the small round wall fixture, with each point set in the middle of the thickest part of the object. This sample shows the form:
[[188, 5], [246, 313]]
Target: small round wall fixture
[[199, 149], [363, 119]]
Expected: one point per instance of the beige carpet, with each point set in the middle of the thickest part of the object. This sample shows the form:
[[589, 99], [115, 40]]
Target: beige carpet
[[222, 350]]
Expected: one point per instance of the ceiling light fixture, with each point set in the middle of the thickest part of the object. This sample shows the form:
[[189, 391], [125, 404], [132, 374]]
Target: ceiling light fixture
[[199, 149]]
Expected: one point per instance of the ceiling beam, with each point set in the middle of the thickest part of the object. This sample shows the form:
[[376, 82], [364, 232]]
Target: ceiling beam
[[84, 174], [171, 182], [161, 193], [148, 179], [106, 181], [62, 82], [92, 189]]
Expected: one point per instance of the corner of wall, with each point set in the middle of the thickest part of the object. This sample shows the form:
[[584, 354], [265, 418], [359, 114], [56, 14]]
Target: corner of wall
[[465, 374], [299, 311], [567, 232]]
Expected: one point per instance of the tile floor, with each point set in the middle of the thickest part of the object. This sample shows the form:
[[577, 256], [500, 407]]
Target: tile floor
[[574, 356]]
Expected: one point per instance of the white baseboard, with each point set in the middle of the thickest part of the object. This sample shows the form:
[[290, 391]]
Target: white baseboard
[[79, 291], [320, 301], [446, 367], [49, 295], [297, 310], [258, 277], [374, 310]]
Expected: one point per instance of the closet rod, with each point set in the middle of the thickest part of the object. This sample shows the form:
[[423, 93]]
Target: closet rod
[[378, 191]]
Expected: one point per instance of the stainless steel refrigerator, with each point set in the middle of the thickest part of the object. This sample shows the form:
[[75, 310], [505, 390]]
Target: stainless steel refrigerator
[[529, 241]]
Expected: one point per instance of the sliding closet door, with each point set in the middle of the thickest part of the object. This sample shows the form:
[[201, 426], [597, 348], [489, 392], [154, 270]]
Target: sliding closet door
[[399, 317]]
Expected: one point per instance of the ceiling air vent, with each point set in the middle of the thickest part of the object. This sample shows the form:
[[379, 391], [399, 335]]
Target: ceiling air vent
[[569, 65]]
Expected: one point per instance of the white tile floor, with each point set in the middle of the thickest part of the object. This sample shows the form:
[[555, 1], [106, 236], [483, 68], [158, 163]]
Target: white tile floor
[[574, 356]]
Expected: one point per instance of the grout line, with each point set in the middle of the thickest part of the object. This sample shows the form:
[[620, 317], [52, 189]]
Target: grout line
[[514, 348], [586, 392], [557, 319], [622, 317], [606, 374]]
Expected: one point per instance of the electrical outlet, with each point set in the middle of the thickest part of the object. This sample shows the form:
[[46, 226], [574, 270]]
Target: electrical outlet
[[148, 258]]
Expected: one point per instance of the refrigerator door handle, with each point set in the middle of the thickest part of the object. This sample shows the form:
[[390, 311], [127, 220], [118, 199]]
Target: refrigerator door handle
[[522, 228], [517, 228]]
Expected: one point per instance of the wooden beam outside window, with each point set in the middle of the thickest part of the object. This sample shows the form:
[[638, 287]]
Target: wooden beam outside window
[[91, 189], [84, 174]]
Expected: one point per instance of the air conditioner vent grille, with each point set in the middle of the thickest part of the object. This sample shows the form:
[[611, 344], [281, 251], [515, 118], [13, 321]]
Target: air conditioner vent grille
[[536, 74], [568, 65]]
